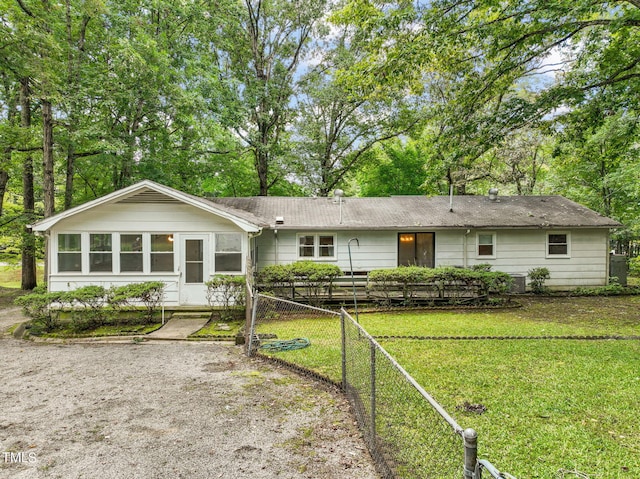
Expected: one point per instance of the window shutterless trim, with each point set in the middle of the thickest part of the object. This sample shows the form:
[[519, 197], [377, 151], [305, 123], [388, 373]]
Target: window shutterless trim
[[492, 244], [563, 247], [317, 247]]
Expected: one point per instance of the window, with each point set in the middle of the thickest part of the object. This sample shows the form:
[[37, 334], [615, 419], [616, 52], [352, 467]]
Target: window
[[100, 255], [325, 246], [306, 246], [228, 254], [161, 253], [69, 253], [558, 244], [321, 246], [131, 253], [486, 244]]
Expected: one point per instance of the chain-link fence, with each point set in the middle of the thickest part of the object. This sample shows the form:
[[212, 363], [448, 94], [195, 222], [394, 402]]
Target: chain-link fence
[[408, 433], [401, 423], [297, 334]]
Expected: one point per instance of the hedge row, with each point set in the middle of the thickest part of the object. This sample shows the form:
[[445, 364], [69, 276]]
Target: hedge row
[[406, 282], [414, 281], [90, 305], [312, 278]]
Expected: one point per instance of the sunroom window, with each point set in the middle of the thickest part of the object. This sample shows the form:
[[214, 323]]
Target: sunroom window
[[131, 255], [162, 253], [69, 252], [100, 253]]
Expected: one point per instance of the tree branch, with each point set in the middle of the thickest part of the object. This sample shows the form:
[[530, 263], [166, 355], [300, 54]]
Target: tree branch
[[25, 9]]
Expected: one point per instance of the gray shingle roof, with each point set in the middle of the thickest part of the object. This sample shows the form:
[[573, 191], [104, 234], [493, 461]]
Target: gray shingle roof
[[416, 212]]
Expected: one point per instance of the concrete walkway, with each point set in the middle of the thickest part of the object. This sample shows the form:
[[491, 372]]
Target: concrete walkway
[[179, 327]]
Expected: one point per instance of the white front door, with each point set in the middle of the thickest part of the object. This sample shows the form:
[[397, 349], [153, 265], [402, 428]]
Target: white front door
[[194, 269]]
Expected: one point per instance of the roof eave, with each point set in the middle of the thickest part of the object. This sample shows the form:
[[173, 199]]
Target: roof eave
[[47, 223]]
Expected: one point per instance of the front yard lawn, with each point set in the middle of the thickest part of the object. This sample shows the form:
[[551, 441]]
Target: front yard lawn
[[554, 408]]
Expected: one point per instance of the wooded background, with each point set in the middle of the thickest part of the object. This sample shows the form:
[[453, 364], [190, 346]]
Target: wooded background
[[299, 97]]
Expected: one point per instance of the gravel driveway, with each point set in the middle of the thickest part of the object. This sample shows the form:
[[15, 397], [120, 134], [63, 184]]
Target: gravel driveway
[[167, 410]]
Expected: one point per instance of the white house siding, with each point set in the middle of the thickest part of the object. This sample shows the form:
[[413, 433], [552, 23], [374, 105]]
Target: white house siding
[[516, 252], [373, 250], [170, 218]]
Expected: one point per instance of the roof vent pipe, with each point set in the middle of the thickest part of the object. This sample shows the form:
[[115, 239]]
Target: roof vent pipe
[[451, 198], [493, 194], [339, 194]]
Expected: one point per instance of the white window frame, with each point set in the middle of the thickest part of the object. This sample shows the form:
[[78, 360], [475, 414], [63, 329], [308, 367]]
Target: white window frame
[[111, 252], [81, 253], [317, 247], [85, 252], [217, 251], [144, 251], [150, 252], [493, 244], [548, 244]]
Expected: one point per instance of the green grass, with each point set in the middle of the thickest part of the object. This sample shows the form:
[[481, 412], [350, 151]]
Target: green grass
[[212, 330], [551, 405], [544, 317], [323, 354], [10, 275]]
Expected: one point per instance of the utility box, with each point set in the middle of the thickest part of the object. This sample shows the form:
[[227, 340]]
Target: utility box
[[618, 268], [518, 283]]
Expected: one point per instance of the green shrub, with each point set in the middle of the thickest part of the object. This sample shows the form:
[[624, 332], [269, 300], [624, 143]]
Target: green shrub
[[228, 291], [634, 266], [309, 276], [538, 278], [90, 306], [483, 267], [454, 283], [87, 306], [276, 276], [150, 294], [37, 306]]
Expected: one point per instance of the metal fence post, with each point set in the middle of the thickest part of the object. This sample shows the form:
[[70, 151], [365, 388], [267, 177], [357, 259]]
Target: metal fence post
[[373, 394], [470, 437], [343, 333], [252, 328]]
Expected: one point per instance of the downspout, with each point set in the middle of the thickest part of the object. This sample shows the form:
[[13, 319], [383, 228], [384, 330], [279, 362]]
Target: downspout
[[607, 252], [275, 253], [464, 249], [251, 237]]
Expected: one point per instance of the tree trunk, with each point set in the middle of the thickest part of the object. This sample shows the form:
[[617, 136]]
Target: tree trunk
[[48, 184], [70, 170], [262, 168], [28, 240], [4, 179]]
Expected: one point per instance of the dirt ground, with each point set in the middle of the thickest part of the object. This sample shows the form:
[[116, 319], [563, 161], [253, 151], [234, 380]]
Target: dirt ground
[[166, 409]]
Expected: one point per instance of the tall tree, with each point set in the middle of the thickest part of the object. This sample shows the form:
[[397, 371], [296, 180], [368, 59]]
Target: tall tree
[[28, 279], [395, 167], [336, 124], [260, 50]]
